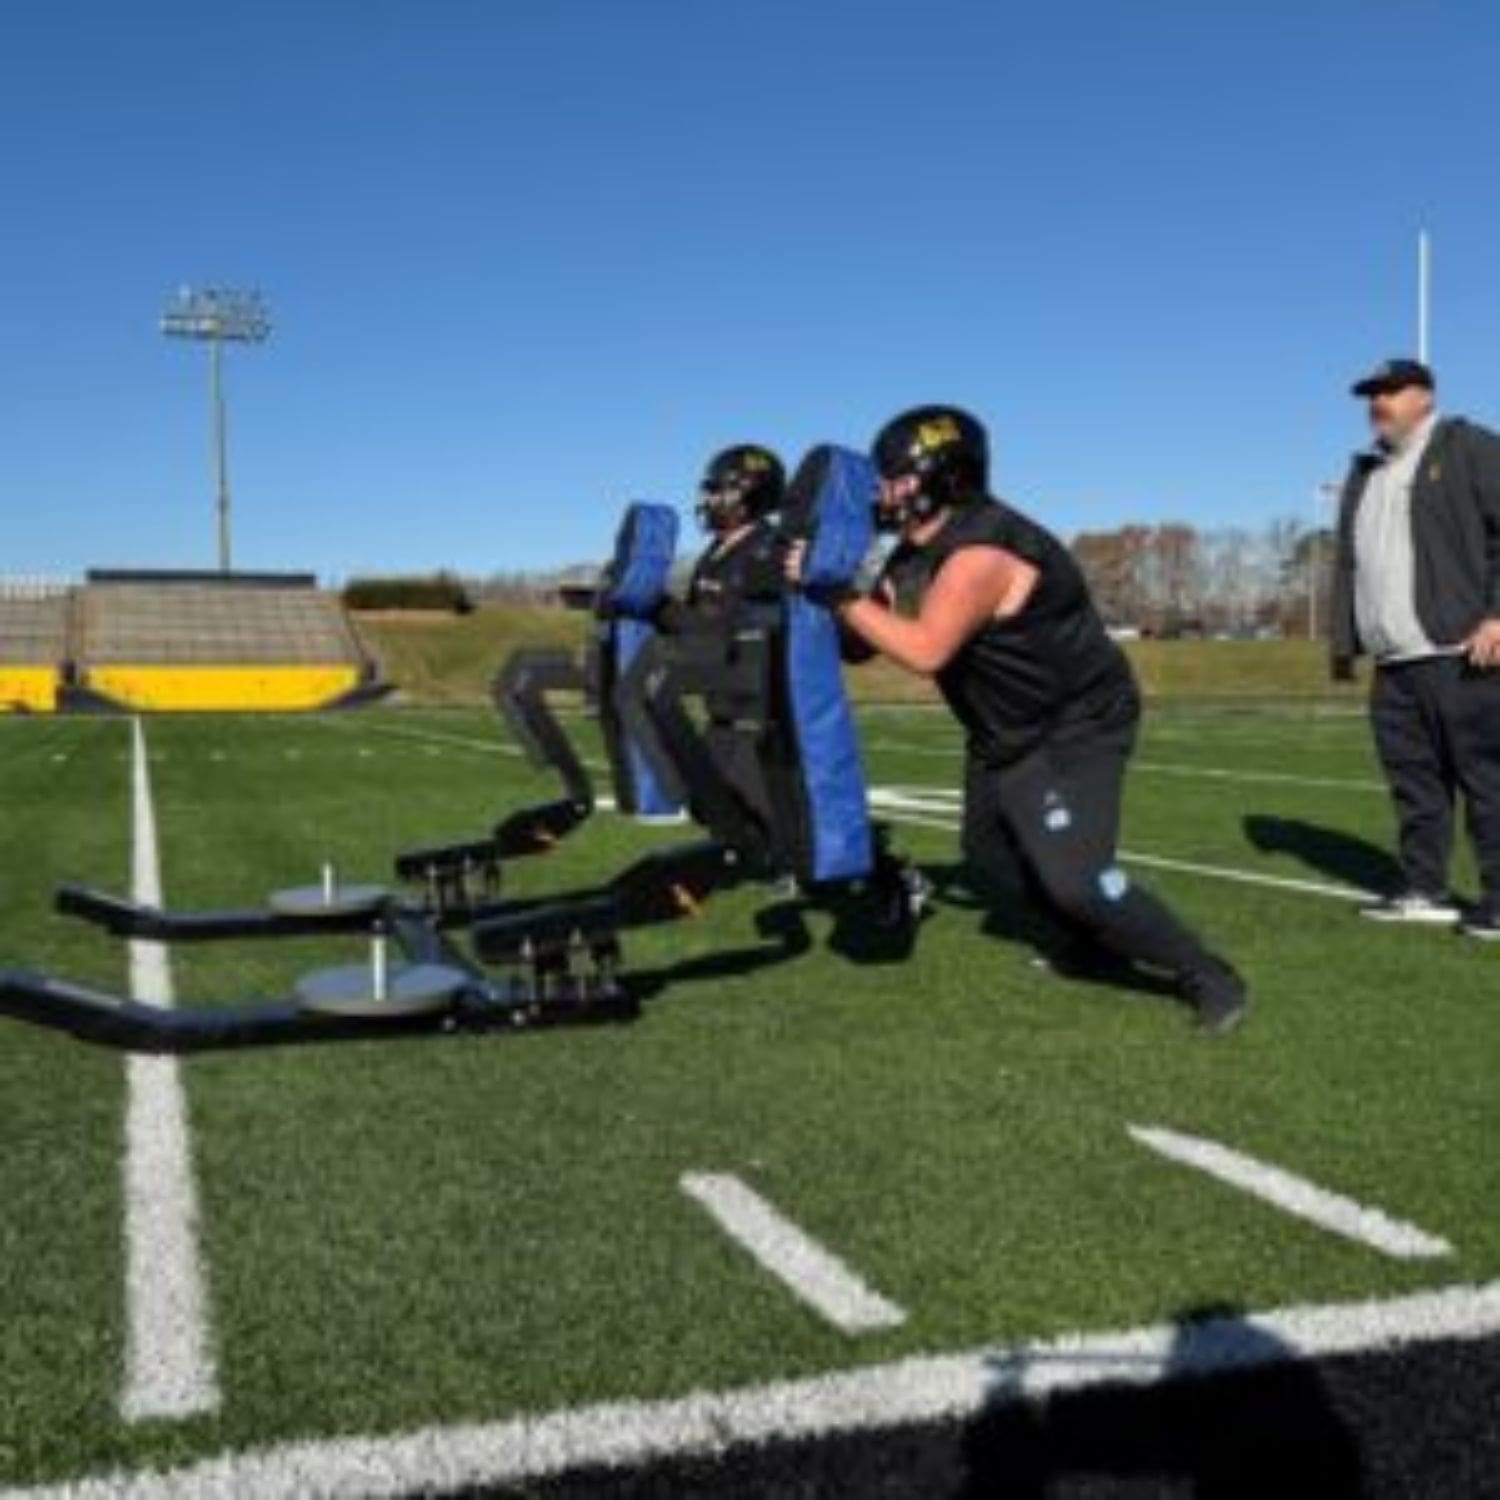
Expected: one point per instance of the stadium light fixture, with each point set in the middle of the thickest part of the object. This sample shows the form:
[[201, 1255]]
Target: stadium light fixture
[[218, 315]]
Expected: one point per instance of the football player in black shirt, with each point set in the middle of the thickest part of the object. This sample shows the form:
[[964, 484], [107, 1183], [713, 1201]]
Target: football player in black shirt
[[740, 573], [1003, 623]]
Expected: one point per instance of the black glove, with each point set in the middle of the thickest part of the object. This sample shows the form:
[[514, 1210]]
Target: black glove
[[1343, 669], [831, 595]]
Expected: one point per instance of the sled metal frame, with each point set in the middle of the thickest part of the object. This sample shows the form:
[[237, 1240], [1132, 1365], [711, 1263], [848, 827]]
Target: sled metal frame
[[558, 955]]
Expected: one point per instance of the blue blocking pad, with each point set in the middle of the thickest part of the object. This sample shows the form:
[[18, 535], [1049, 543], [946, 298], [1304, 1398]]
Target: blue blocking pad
[[831, 504], [839, 516], [645, 549]]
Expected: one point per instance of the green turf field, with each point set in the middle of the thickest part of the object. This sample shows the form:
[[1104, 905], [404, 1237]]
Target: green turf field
[[438, 1231]]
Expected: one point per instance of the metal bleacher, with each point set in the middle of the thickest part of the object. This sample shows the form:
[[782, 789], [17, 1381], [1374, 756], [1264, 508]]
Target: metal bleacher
[[34, 630], [34, 616], [180, 641], [202, 623]]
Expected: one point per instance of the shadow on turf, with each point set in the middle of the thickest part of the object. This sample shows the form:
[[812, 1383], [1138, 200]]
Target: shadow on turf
[[1340, 856], [1014, 914], [785, 937], [1269, 1430]]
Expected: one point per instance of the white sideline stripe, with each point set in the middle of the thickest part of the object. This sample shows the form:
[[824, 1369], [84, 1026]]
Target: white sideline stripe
[[1295, 1195], [934, 814], [169, 1365], [814, 1274], [953, 1387]]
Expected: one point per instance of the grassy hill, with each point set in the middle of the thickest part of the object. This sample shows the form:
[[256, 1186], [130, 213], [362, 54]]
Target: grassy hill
[[444, 659], [451, 659]]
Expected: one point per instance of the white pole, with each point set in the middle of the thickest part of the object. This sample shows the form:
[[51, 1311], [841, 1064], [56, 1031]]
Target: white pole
[[1424, 287], [1312, 567], [1325, 494]]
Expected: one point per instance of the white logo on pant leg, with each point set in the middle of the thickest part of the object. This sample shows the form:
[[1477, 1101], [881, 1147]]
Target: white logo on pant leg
[[1056, 818], [1112, 883]]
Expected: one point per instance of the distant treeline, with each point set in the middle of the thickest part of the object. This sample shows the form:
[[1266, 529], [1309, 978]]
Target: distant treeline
[[442, 593], [1174, 580], [1166, 580], [453, 594]]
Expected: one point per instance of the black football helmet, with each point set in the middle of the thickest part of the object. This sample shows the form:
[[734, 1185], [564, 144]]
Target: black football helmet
[[741, 484], [946, 449]]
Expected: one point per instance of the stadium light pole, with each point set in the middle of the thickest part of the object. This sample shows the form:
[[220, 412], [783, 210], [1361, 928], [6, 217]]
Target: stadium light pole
[[218, 316]]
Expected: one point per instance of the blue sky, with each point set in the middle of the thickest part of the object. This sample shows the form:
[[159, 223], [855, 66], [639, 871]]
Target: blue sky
[[530, 259]]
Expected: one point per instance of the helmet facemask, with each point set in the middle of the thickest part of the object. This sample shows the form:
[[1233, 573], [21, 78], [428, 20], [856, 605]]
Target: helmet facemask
[[741, 485], [944, 450]]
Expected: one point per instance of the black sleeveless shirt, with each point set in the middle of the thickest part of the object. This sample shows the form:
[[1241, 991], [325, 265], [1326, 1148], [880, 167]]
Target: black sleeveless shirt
[[731, 589], [1050, 672], [747, 573]]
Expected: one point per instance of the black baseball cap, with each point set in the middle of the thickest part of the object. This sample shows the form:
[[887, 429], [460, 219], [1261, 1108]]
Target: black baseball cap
[[1394, 375]]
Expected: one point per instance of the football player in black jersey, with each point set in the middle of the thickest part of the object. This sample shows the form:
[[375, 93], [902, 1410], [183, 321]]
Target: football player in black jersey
[[1001, 620], [740, 572]]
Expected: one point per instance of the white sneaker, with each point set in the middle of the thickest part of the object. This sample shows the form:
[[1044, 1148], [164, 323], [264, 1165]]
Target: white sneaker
[[1414, 908]]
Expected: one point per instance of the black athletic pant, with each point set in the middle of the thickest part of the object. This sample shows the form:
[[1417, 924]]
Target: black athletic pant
[[1437, 730], [738, 760], [1056, 815]]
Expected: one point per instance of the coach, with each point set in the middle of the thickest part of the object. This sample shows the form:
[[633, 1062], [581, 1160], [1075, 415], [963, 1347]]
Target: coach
[[1417, 588]]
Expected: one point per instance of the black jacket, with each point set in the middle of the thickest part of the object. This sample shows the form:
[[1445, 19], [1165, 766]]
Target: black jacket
[[1455, 513]]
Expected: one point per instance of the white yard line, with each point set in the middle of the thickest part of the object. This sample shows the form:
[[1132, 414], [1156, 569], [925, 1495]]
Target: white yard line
[[1248, 877], [169, 1363], [1267, 778], [925, 752], [1294, 1195], [428, 737], [926, 812], [810, 1271], [947, 1388], [435, 737], [1166, 768]]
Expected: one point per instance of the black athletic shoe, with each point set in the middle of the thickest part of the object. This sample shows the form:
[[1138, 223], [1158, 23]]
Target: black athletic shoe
[[903, 896], [1219, 996], [1482, 922], [1413, 909]]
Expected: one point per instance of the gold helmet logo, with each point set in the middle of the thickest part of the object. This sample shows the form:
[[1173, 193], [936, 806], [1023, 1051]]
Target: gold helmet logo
[[937, 432]]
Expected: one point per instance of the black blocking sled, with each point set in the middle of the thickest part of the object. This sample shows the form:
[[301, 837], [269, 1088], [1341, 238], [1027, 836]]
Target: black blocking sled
[[447, 952]]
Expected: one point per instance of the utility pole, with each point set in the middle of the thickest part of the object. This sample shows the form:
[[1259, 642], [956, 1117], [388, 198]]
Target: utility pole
[[1424, 295]]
